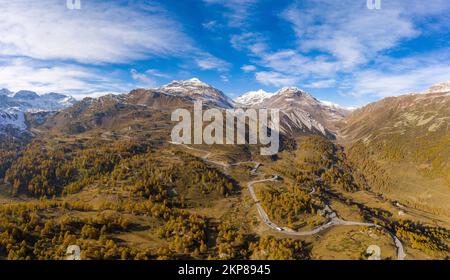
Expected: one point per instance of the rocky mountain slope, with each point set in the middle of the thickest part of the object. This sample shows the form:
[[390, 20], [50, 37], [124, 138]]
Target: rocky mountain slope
[[301, 112], [12, 119], [252, 98], [121, 190], [18, 110], [403, 143], [198, 90], [29, 101]]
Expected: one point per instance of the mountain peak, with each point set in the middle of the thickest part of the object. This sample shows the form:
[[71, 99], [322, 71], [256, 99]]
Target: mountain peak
[[30, 101], [197, 90], [26, 94], [5, 91], [193, 82], [253, 97], [439, 88], [197, 81], [290, 91]]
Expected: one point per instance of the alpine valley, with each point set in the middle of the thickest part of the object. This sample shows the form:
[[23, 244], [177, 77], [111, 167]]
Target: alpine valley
[[102, 174]]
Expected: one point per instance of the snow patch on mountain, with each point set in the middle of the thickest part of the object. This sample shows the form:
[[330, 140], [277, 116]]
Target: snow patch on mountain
[[197, 90], [252, 98], [29, 101], [439, 88], [12, 119], [290, 91], [5, 92], [336, 106]]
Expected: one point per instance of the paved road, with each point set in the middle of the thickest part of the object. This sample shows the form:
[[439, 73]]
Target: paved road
[[334, 219]]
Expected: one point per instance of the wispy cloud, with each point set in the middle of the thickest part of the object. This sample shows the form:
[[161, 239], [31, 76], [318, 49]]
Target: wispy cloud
[[143, 79], [277, 79], [347, 31], [209, 62], [45, 46], [237, 10], [210, 25], [344, 45], [248, 68], [250, 41], [377, 83], [102, 32], [224, 78], [18, 74], [322, 84]]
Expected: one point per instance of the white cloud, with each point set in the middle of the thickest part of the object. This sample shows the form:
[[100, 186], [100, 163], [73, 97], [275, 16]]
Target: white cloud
[[238, 10], [251, 41], [209, 62], [347, 31], [224, 78], [248, 68], [382, 84], [46, 47], [291, 62], [343, 44], [156, 73], [210, 25], [275, 79], [322, 84], [143, 79], [101, 32], [19, 74]]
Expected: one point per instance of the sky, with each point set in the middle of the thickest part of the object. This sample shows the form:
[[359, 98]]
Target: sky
[[339, 51]]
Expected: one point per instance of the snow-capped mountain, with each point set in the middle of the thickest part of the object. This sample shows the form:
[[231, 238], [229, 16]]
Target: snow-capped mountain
[[12, 119], [197, 90], [252, 98], [301, 112], [5, 92], [439, 88], [29, 101], [336, 106]]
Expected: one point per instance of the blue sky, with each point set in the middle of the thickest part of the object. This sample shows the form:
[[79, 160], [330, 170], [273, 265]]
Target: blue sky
[[340, 51]]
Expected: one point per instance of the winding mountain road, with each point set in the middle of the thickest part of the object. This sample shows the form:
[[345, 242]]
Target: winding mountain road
[[334, 219]]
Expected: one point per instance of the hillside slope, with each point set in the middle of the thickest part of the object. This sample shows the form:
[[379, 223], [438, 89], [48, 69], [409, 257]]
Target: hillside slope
[[403, 144]]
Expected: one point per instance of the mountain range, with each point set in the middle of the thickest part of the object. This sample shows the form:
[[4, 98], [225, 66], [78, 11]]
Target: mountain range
[[14, 107], [300, 111], [29, 101], [102, 173], [413, 127]]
